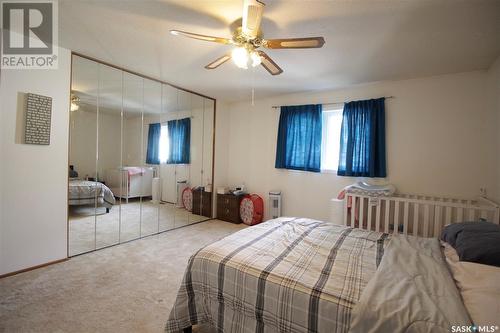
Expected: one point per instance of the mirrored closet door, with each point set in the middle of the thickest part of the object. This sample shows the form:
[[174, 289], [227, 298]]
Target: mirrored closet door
[[140, 156]]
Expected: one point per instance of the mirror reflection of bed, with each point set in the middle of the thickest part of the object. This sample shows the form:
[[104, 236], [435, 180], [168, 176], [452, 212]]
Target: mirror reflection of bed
[[140, 157]]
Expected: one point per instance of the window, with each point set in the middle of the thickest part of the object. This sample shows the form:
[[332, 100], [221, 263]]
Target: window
[[164, 144], [330, 146], [349, 140], [169, 142]]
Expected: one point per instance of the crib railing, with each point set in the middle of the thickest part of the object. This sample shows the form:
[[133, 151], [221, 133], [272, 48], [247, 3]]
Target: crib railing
[[416, 215]]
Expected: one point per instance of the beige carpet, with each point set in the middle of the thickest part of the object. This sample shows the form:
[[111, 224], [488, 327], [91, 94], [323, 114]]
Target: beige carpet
[[88, 232], [126, 288]]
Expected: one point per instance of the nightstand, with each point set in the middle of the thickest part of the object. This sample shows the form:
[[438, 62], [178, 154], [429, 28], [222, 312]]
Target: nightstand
[[228, 207]]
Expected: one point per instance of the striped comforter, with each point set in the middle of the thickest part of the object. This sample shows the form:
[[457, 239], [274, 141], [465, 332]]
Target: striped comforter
[[285, 275], [84, 192]]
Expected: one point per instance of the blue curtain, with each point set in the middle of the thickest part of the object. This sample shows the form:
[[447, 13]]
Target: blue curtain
[[153, 150], [299, 138], [179, 136], [362, 139]]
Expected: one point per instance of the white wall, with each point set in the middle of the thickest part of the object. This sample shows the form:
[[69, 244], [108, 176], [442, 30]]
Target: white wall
[[441, 139], [83, 133], [493, 77], [2, 162], [222, 124], [132, 132], [33, 179]]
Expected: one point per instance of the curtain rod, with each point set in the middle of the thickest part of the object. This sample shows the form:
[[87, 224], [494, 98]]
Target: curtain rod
[[330, 103]]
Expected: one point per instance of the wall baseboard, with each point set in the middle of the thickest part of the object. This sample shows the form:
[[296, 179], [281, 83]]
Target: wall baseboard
[[32, 268]]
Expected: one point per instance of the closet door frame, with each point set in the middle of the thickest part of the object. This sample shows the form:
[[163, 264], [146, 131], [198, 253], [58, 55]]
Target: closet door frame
[[101, 62]]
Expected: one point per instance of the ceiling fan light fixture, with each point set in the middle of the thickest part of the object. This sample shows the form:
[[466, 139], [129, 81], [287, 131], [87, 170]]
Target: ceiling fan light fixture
[[240, 57], [256, 60], [74, 103], [249, 38]]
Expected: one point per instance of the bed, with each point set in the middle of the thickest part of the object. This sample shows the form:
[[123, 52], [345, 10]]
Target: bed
[[303, 275], [85, 192]]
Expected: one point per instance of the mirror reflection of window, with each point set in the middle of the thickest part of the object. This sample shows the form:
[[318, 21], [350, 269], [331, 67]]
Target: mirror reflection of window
[[164, 144]]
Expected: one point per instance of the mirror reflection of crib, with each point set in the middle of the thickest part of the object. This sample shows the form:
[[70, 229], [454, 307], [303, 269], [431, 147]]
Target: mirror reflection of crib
[[130, 182]]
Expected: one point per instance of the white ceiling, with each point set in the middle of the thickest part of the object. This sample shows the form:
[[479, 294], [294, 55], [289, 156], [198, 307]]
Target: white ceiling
[[366, 40]]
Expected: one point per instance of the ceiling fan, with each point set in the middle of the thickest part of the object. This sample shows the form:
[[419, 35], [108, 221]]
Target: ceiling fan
[[248, 38]]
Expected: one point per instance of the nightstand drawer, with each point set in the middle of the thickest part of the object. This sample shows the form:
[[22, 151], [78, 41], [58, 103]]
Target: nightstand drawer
[[223, 214]]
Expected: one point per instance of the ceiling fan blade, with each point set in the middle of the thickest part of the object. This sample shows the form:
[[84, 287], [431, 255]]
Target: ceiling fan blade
[[219, 61], [294, 43], [269, 64], [252, 16], [201, 37]]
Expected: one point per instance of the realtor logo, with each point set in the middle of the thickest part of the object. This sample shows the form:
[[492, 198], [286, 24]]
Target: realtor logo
[[29, 35]]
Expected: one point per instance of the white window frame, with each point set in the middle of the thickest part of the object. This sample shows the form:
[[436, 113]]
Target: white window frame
[[330, 111]]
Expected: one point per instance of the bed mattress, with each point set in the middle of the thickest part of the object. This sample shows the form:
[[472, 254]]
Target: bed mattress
[[287, 275]]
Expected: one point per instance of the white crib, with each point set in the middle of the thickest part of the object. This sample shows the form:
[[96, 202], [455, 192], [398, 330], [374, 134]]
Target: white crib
[[126, 186], [417, 215]]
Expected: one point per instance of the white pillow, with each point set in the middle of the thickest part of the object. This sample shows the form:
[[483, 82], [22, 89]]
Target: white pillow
[[479, 286]]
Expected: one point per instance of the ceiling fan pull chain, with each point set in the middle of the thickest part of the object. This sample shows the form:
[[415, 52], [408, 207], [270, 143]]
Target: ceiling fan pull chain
[[253, 86]]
